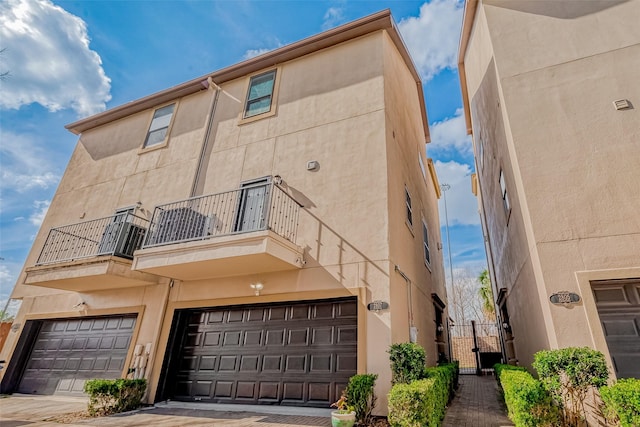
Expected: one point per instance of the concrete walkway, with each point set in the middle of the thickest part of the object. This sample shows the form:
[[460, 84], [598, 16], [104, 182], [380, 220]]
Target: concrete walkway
[[477, 404], [49, 411]]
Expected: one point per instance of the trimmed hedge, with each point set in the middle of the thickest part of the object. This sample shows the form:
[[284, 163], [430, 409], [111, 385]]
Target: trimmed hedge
[[409, 404], [528, 403], [501, 367], [622, 401], [423, 402], [113, 396]]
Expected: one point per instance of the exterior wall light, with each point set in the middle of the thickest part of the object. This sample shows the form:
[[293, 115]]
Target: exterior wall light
[[440, 329], [277, 180], [257, 287], [506, 326]]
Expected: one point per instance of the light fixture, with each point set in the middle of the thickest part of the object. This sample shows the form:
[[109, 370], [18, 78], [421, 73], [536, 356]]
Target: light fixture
[[506, 326], [277, 180], [440, 328], [257, 287]]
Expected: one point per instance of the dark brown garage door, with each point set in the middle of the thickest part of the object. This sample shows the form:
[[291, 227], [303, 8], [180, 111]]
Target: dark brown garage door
[[618, 304], [289, 354], [66, 352]]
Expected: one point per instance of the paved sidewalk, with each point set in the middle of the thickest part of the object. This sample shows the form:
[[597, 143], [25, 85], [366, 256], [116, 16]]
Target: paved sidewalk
[[477, 404], [43, 411]]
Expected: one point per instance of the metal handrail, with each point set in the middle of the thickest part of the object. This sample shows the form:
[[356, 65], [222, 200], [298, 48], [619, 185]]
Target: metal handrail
[[255, 207], [120, 235]]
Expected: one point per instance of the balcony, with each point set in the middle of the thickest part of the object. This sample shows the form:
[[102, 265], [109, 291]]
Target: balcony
[[91, 255], [245, 231]]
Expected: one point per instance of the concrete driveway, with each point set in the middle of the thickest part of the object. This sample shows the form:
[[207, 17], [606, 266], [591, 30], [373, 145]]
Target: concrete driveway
[[47, 411]]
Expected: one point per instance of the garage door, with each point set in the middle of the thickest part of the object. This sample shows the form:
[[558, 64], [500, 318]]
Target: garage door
[[618, 304], [291, 354], [66, 352]]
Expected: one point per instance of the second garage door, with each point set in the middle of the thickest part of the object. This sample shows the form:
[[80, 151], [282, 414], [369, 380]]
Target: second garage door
[[291, 354], [67, 352]]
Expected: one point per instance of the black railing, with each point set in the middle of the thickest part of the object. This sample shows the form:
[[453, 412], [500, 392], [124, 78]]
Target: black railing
[[118, 235], [251, 208]]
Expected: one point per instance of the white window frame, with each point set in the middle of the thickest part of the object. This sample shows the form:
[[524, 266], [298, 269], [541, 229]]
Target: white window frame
[[505, 195], [165, 141], [425, 244], [409, 207]]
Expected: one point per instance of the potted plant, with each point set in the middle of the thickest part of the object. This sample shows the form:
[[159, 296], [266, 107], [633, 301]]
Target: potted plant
[[344, 416]]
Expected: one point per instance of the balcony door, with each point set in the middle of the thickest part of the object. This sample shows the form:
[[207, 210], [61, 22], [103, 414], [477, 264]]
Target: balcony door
[[253, 205]]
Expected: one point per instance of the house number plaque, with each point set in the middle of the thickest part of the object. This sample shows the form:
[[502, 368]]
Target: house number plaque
[[564, 298]]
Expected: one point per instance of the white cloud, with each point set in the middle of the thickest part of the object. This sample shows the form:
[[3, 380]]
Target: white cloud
[[41, 208], [49, 60], [462, 205], [451, 134], [252, 53], [25, 165], [432, 38], [333, 17]]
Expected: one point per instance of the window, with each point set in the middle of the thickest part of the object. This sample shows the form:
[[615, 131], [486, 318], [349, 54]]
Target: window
[[422, 168], [407, 202], [260, 94], [505, 196], [425, 243], [159, 126]]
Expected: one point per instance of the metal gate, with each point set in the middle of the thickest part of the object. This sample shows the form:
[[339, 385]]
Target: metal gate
[[476, 346]]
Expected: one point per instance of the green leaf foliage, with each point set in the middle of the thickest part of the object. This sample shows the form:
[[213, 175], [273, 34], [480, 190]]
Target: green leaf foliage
[[361, 396], [407, 362], [409, 404], [501, 367], [529, 404], [622, 401], [423, 402], [113, 396], [569, 374]]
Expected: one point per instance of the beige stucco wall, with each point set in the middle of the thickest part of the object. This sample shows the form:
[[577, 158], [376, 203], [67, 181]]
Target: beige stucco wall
[[339, 106], [568, 155]]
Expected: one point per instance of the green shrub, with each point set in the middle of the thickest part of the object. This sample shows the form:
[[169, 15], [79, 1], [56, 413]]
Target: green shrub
[[501, 367], [622, 401], [407, 362], [569, 374], [422, 402], [113, 396], [528, 402], [361, 396], [409, 404]]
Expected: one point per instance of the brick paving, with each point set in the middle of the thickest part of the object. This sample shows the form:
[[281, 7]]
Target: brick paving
[[477, 404]]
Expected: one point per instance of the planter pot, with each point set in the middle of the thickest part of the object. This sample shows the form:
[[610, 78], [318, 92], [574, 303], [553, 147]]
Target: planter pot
[[343, 419]]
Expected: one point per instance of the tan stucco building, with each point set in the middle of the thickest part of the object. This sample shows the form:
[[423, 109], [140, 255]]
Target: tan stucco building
[[256, 235], [551, 94]]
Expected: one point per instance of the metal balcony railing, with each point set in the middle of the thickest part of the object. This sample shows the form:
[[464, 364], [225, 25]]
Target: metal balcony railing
[[255, 207], [118, 235]]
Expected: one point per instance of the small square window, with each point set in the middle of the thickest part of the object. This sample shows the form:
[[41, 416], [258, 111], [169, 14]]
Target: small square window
[[408, 205], [425, 242], [260, 94], [159, 126]]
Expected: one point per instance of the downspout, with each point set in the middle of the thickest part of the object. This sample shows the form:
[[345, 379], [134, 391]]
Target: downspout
[[413, 332], [210, 85]]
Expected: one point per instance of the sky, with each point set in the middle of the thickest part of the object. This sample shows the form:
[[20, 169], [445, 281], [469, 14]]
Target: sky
[[66, 60]]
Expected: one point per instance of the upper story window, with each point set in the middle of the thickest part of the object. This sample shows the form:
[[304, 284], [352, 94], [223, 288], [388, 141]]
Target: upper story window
[[407, 201], [425, 242], [505, 195], [260, 94], [159, 127]]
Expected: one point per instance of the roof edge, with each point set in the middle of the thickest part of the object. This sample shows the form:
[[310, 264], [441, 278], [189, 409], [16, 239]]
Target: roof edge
[[470, 8], [378, 21]]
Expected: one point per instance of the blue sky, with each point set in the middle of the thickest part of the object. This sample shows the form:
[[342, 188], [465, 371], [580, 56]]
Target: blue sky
[[70, 59]]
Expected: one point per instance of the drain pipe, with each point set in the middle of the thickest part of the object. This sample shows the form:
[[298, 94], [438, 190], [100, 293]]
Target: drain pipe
[[209, 84], [413, 332]]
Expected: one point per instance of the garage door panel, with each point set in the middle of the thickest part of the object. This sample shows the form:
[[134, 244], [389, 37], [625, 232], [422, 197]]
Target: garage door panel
[[66, 352], [295, 353], [618, 306]]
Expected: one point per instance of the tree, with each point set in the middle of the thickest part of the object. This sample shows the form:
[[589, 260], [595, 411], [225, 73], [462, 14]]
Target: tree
[[486, 295]]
